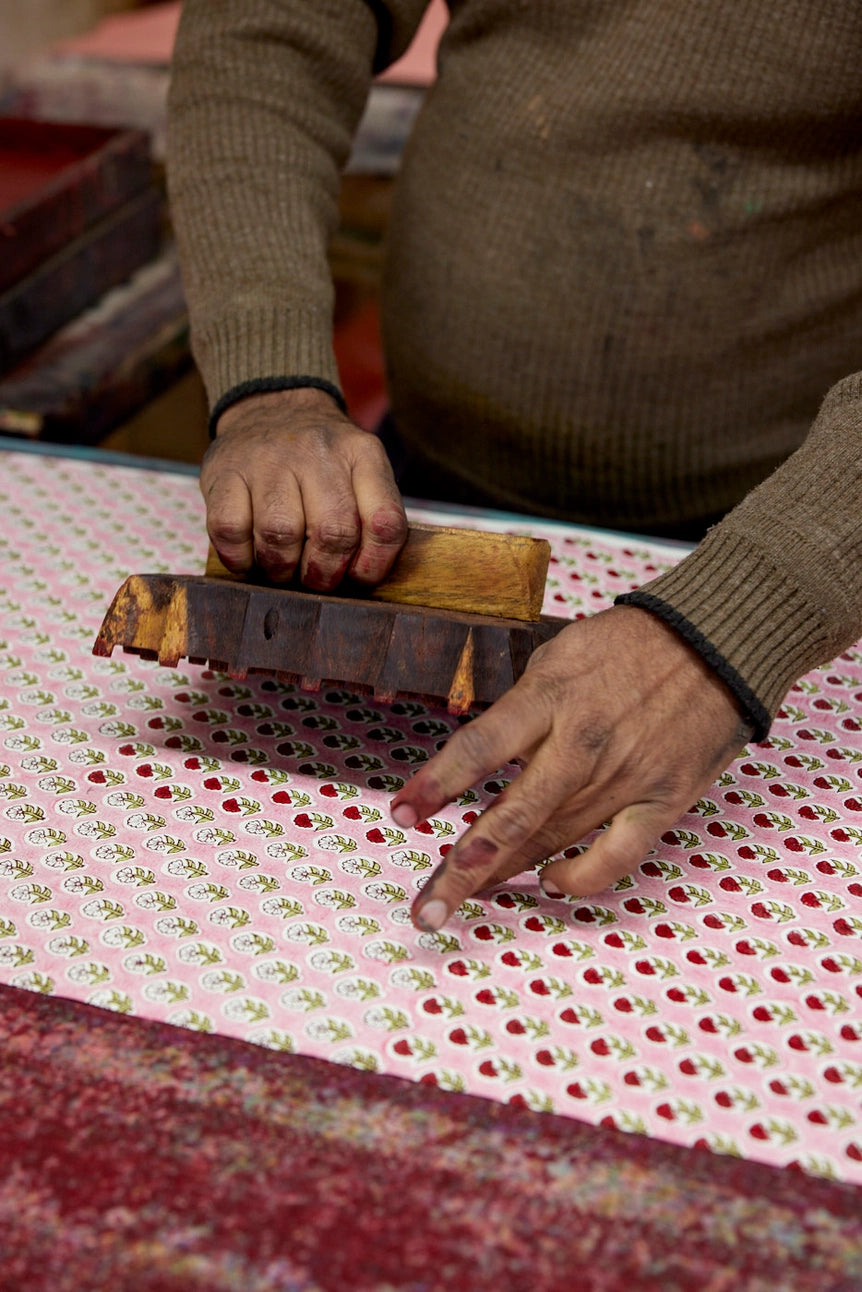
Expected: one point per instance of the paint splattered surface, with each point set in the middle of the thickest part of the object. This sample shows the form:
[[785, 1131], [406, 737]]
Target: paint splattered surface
[[218, 855]]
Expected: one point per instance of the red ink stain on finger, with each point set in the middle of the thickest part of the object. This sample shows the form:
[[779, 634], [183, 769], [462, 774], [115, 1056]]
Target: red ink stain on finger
[[314, 575]]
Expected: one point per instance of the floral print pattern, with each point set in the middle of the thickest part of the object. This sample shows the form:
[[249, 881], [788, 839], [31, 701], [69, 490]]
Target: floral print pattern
[[218, 854]]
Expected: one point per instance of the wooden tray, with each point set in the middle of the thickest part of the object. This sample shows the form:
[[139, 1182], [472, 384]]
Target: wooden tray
[[58, 180], [75, 277], [104, 366]]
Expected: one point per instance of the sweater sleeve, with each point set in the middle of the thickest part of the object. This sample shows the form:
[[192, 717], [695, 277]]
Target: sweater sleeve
[[775, 588], [265, 98]]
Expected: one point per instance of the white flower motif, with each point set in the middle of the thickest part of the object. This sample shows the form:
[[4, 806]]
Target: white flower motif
[[380, 1017], [356, 924], [78, 691], [274, 971], [208, 835], [184, 868], [164, 992], [258, 883], [321, 1029], [272, 1038], [83, 756], [29, 893], [234, 857], [330, 961], [115, 936], [131, 875], [52, 783], [19, 741], [11, 955], [305, 933], [283, 850], [245, 1008], [95, 829], [284, 907], [124, 799], [88, 973], [386, 951], [356, 988], [24, 812], [200, 892], [198, 953], [191, 1019], [357, 1058], [110, 852], [109, 998], [222, 980]]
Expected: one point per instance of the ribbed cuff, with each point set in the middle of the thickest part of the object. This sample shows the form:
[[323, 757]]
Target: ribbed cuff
[[745, 617], [270, 345], [267, 385]]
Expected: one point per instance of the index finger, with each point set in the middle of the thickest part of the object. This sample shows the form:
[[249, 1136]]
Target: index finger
[[512, 725], [502, 835], [230, 522]]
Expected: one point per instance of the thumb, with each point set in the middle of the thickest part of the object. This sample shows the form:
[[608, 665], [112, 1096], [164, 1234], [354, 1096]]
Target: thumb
[[615, 852]]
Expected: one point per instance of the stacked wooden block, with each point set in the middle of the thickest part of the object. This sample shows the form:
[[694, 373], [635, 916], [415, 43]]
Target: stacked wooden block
[[79, 213], [92, 316]]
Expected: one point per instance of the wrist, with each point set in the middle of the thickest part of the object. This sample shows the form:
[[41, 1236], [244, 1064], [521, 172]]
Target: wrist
[[272, 394]]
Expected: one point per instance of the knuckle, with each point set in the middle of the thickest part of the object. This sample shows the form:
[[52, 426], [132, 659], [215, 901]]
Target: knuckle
[[475, 857], [388, 526], [510, 822], [593, 736], [278, 532], [335, 535], [472, 744], [225, 532]]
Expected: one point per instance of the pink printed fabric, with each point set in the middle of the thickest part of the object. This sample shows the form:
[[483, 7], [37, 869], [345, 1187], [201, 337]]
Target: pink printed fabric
[[218, 854]]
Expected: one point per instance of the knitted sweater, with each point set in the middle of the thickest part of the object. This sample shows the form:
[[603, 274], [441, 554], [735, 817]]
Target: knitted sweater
[[624, 271]]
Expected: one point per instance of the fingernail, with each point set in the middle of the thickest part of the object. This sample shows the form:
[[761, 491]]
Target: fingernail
[[405, 815], [549, 888], [432, 916]]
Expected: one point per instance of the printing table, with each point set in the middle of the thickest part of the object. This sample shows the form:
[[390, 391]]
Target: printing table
[[200, 882]]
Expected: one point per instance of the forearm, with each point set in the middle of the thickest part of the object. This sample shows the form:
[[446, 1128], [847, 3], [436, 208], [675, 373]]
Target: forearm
[[265, 97], [775, 589]]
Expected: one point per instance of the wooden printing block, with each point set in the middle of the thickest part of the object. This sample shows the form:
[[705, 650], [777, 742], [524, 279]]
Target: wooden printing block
[[449, 654]]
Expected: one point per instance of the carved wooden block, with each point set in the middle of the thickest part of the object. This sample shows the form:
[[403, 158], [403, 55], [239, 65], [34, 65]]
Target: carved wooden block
[[387, 649]]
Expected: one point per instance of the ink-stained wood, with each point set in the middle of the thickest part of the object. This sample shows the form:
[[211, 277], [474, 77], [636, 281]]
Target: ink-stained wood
[[77, 275], [384, 648], [56, 181], [473, 571]]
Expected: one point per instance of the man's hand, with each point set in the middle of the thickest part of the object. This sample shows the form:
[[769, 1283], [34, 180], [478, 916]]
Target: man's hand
[[616, 719], [290, 481]]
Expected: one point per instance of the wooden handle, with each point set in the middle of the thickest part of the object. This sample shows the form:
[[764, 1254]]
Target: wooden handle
[[468, 570]]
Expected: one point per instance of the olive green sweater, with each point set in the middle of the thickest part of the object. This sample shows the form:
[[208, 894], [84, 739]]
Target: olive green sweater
[[624, 272]]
